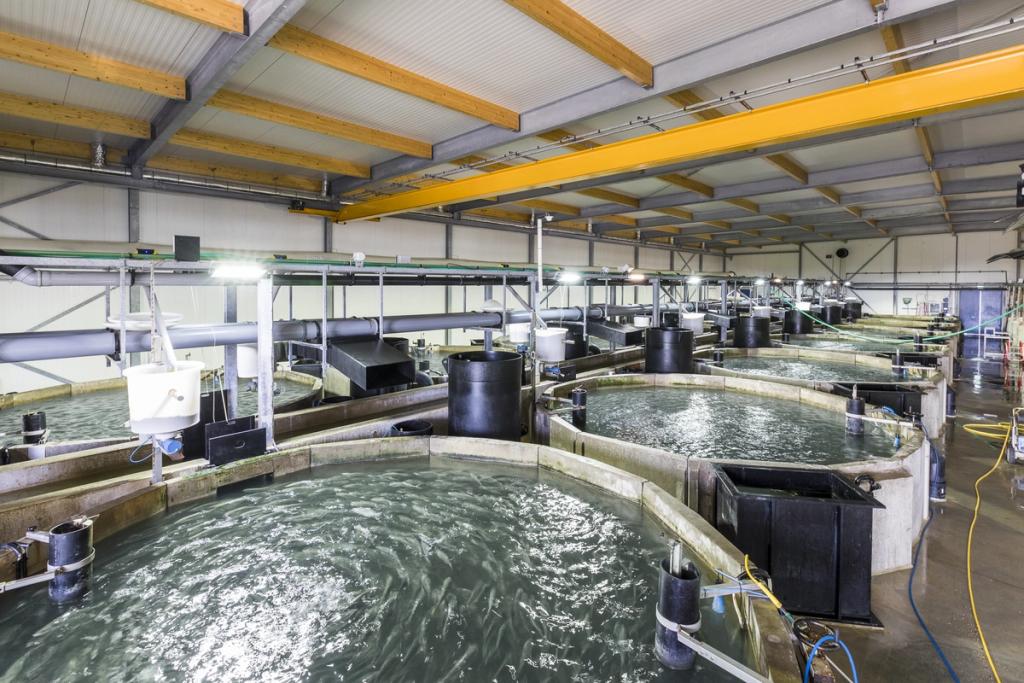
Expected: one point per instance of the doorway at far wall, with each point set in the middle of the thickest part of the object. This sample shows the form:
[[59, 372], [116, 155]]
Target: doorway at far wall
[[977, 306]]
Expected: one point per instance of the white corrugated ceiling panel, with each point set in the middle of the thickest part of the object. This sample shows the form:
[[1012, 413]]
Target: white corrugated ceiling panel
[[961, 17], [733, 172], [883, 183], [52, 130], [978, 132], [264, 132], [488, 49], [241, 162], [1009, 170], [659, 30], [281, 77], [117, 29], [895, 145]]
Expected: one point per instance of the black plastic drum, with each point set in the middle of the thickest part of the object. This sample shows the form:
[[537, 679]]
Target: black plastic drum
[[797, 323], [668, 349], [751, 332], [853, 309], [832, 314], [483, 394]]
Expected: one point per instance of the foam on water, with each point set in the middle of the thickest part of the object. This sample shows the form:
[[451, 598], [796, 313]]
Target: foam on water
[[410, 572], [809, 369], [714, 423]]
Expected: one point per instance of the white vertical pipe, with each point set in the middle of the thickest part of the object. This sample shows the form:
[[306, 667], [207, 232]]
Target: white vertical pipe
[[265, 355]]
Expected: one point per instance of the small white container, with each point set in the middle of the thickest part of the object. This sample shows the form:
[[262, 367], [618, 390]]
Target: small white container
[[692, 321], [248, 361], [518, 333], [761, 311], [803, 305], [162, 401], [551, 344], [641, 321]]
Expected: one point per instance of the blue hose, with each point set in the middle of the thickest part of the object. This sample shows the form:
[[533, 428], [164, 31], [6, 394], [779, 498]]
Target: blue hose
[[131, 456], [814, 652], [913, 605]]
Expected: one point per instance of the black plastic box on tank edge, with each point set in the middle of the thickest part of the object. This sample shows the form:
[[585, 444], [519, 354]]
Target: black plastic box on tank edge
[[809, 529]]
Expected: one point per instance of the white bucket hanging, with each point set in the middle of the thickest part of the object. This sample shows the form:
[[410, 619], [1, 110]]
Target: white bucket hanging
[[248, 361], [551, 344], [519, 333], [692, 321], [161, 400]]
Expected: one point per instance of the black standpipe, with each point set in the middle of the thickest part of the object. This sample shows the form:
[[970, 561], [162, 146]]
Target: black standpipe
[[668, 350], [70, 542], [33, 427], [855, 406], [718, 357], [937, 461], [579, 408], [678, 608]]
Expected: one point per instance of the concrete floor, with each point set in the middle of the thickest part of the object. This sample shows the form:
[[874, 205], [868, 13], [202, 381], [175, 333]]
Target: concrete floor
[[901, 652]]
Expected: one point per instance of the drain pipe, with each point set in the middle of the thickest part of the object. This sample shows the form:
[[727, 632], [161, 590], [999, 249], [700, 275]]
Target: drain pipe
[[35, 346]]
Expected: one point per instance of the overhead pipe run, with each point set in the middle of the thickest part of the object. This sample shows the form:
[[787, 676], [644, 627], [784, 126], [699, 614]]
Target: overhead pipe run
[[35, 346]]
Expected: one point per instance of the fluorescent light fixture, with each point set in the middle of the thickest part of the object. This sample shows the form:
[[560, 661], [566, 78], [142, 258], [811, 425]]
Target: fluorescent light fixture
[[636, 276], [847, 283], [693, 280], [800, 283], [758, 282], [569, 278], [239, 271]]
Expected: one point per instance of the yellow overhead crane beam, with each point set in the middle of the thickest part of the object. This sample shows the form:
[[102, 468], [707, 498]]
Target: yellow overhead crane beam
[[971, 82]]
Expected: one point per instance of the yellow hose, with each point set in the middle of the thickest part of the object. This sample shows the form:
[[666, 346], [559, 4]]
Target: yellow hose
[[761, 586], [988, 431]]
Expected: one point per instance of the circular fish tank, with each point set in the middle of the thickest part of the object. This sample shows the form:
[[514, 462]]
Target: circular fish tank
[[405, 568], [99, 410], [807, 366]]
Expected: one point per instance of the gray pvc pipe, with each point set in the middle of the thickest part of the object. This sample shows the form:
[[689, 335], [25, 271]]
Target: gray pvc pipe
[[34, 346]]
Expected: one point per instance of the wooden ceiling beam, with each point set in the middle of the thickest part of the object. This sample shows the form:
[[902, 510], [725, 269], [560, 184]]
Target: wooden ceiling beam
[[265, 110], [222, 15], [302, 43], [254, 150], [45, 55], [175, 164], [68, 115], [578, 30]]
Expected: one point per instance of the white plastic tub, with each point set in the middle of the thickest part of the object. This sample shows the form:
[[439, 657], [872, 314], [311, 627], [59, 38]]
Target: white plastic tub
[[518, 333], [551, 344], [761, 311], [248, 361], [163, 401], [641, 321], [692, 321]]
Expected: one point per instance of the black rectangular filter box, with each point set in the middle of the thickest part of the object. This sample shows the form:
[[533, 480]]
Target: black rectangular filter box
[[186, 248], [616, 333], [236, 446], [371, 363], [809, 529]]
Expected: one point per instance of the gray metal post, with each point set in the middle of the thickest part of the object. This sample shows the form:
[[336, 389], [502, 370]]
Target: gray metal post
[[324, 304], [380, 311], [328, 248], [488, 333], [895, 274], [724, 305], [655, 302], [265, 355], [134, 235], [231, 354], [447, 290]]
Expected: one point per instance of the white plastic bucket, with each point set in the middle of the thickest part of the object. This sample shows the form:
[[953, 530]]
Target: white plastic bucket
[[551, 344], [518, 333], [761, 311], [641, 321], [163, 401], [803, 305], [248, 361], [692, 321]]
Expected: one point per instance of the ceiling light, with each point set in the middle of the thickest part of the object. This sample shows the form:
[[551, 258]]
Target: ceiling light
[[636, 276], [758, 282], [569, 278], [239, 271], [800, 283], [778, 280], [846, 284], [693, 280]]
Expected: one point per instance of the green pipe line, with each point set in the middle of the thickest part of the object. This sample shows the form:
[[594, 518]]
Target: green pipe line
[[898, 342]]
